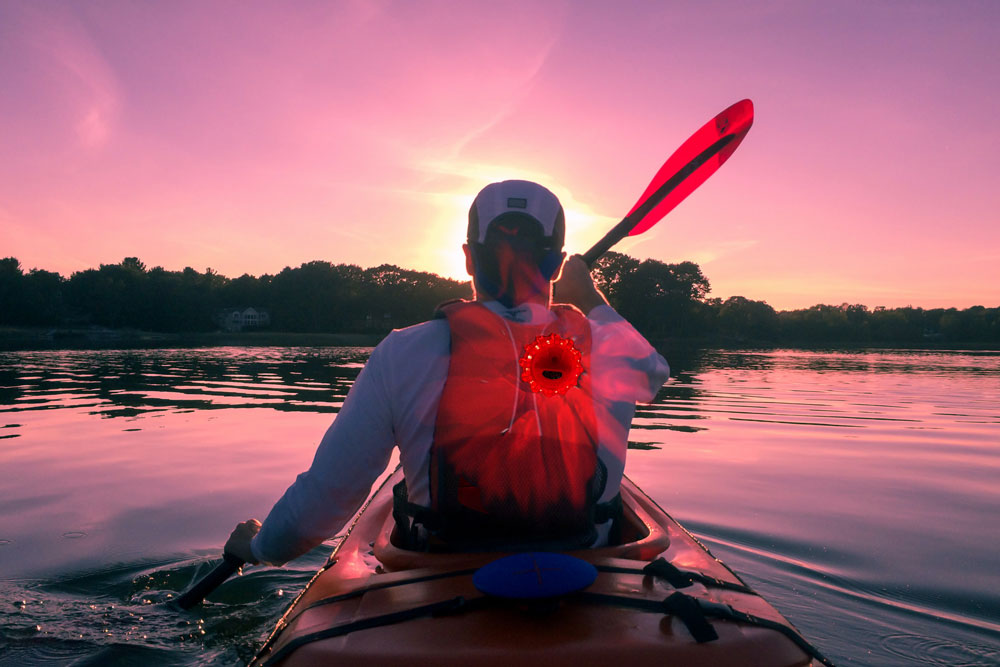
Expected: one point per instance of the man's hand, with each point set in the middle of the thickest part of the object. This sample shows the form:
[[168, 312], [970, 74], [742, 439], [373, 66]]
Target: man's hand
[[239, 542], [576, 287]]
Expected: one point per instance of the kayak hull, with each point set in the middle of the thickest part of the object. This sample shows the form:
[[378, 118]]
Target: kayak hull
[[377, 604]]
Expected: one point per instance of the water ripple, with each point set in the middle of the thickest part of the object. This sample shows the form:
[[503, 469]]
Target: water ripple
[[919, 650]]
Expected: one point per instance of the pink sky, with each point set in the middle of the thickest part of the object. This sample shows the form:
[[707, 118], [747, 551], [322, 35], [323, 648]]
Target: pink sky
[[247, 137]]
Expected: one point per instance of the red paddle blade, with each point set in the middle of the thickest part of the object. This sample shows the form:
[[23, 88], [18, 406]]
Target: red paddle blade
[[691, 164]]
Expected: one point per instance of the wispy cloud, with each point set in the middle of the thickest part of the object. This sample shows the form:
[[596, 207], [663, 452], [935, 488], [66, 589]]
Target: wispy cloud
[[724, 249], [79, 76], [522, 84], [94, 126]]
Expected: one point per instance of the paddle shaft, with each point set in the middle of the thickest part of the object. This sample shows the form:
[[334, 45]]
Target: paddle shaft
[[622, 229], [229, 565]]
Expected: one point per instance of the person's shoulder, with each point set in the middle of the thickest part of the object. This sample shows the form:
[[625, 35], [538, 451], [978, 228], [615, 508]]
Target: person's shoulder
[[405, 357], [426, 335], [604, 314], [426, 329]]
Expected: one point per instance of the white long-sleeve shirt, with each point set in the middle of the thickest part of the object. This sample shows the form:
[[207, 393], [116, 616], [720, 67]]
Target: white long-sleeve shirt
[[394, 402]]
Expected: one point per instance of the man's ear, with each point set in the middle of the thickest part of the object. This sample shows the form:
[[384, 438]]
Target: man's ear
[[470, 266], [552, 265]]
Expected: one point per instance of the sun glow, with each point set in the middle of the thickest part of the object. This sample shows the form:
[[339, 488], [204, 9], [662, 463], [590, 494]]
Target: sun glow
[[442, 249], [446, 234]]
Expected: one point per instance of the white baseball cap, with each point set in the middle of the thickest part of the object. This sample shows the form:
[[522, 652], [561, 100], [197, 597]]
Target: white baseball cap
[[522, 200]]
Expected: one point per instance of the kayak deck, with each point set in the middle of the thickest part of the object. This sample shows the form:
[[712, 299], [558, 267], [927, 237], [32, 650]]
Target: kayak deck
[[375, 603]]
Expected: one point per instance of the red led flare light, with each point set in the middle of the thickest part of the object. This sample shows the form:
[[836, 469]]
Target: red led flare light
[[551, 365]]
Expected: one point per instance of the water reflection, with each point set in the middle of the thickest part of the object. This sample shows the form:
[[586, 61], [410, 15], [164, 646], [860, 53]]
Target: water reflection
[[856, 490], [116, 383], [866, 478]]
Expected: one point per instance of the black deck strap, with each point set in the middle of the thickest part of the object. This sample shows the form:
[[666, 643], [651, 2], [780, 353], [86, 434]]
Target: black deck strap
[[684, 607], [686, 578], [724, 611], [444, 607], [664, 569], [708, 609], [358, 592], [682, 579], [687, 609]]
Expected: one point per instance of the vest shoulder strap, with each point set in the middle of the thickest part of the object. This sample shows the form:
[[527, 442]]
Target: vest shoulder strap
[[441, 310]]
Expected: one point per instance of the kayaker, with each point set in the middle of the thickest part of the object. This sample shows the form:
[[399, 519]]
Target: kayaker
[[511, 415]]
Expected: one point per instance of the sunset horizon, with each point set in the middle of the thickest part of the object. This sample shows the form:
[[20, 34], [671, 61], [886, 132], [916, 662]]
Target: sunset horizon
[[358, 133]]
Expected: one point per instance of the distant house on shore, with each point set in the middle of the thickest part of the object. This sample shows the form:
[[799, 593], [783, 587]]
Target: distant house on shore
[[373, 322], [238, 319]]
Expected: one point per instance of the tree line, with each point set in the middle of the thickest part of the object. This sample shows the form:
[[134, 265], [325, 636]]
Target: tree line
[[316, 297], [671, 301], [664, 301]]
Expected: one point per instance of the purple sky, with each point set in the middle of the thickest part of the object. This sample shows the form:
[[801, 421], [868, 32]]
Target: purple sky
[[249, 136]]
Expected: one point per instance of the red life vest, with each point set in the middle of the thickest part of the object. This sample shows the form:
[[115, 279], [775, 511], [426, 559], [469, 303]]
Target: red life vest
[[515, 462]]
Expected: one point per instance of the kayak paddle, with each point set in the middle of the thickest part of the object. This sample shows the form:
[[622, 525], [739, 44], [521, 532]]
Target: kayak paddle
[[229, 565], [698, 158]]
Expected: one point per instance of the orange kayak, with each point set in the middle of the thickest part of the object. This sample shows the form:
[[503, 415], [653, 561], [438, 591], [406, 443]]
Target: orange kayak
[[659, 598]]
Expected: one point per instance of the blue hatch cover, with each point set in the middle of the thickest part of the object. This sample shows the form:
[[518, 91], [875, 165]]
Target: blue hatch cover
[[534, 575]]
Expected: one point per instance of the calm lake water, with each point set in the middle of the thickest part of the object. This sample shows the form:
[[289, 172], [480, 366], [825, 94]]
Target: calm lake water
[[858, 492]]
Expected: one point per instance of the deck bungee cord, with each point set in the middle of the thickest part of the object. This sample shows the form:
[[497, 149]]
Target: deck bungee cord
[[692, 611]]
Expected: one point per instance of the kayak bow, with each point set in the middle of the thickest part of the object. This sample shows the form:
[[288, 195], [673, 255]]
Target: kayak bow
[[658, 598]]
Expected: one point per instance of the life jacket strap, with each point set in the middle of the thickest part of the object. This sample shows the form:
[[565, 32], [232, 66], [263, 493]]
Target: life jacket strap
[[410, 516]]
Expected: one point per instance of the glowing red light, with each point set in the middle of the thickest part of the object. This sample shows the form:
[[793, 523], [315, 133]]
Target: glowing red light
[[551, 365]]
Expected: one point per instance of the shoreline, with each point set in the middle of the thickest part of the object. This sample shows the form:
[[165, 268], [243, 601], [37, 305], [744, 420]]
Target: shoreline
[[713, 343], [25, 339]]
